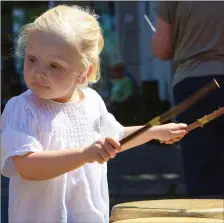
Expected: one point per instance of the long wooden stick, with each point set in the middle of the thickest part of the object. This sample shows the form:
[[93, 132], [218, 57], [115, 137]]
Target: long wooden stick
[[194, 98], [204, 120], [150, 24]]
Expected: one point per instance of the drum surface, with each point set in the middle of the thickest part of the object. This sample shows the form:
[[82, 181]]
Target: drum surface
[[171, 220], [200, 208]]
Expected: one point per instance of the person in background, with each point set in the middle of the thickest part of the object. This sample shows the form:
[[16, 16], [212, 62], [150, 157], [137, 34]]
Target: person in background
[[192, 35], [123, 92]]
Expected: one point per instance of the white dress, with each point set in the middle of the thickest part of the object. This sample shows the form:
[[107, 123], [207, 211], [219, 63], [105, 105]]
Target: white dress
[[33, 124]]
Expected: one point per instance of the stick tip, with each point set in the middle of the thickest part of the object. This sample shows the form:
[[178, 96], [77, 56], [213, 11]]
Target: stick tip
[[216, 82]]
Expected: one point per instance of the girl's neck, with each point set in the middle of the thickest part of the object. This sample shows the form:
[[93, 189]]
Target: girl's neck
[[76, 96]]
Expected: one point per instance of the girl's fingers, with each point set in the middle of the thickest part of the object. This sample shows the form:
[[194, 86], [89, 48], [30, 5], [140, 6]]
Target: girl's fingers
[[179, 133], [114, 143], [110, 150], [179, 126], [105, 156], [100, 159], [171, 141]]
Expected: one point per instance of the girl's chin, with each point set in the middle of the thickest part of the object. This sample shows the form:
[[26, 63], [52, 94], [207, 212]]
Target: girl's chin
[[44, 93]]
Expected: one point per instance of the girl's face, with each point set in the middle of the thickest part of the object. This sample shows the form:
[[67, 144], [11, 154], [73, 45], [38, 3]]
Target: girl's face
[[51, 66]]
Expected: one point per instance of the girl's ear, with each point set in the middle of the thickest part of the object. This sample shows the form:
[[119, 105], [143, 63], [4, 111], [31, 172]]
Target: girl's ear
[[86, 77], [89, 73]]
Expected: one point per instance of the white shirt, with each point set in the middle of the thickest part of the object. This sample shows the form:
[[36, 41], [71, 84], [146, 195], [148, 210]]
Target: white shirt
[[33, 124]]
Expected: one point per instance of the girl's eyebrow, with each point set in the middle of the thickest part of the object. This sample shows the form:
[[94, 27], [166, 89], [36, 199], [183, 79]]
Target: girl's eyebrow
[[29, 54], [58, 59]]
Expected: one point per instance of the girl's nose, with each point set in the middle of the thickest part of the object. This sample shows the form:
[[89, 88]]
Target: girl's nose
[[40, 72]]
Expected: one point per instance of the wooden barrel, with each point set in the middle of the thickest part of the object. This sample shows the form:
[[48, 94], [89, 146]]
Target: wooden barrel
[[198, 208], [171, 220]]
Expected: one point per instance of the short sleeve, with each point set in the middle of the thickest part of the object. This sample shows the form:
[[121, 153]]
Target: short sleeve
[[109, 126], [166, 10], [18, 133]]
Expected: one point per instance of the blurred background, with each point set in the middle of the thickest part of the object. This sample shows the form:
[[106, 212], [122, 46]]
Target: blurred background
[[135, 86]]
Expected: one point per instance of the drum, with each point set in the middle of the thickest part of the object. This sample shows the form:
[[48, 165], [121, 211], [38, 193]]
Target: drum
[[171, 220], [198, 208]]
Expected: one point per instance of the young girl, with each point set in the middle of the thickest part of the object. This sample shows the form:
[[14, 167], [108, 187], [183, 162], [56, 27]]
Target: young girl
[[58, 135]]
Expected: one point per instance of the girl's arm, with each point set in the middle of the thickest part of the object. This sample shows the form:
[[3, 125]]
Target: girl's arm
[[45, 165], [37, 166], [139, 140], [168, 132]]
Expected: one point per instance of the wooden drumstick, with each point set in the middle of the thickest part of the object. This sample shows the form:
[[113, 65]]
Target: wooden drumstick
[[194, 98], [204, 120]]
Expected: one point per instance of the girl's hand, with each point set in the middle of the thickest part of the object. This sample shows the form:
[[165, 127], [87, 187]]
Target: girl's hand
[[169, 133], [102, 150]]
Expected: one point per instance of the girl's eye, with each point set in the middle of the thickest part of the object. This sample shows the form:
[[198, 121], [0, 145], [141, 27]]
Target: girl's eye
[[32, 59], [55, 66]]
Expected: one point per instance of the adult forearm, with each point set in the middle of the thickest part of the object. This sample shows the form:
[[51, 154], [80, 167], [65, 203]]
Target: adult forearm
[[46, 165]]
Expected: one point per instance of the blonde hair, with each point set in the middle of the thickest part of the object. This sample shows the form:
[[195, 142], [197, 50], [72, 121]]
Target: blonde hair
[[78, 26]]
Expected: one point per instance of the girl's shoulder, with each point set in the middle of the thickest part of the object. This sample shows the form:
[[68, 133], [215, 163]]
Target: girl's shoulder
[[92, 94], [19, 106], [22, 101], [95, 99]]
